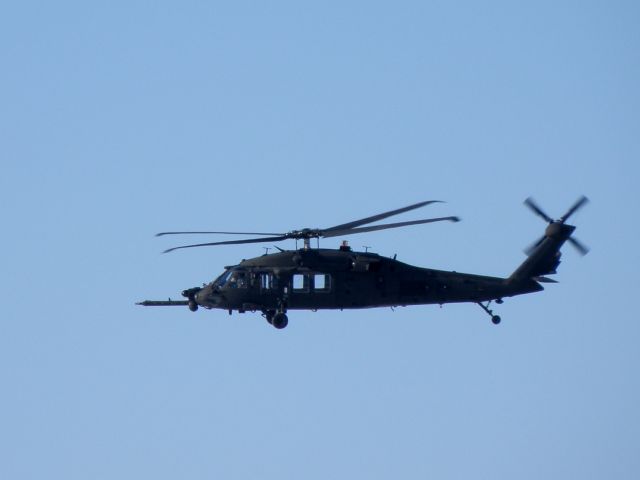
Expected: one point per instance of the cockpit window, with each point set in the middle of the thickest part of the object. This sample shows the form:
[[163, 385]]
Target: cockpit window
[[237, 280], [232, 279], [222, 279]]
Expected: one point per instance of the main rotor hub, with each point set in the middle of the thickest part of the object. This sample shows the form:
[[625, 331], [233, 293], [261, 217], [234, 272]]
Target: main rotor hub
[[305, 233]]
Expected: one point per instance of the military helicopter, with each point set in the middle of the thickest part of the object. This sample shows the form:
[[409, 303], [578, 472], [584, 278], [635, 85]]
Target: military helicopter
[[319, 278]]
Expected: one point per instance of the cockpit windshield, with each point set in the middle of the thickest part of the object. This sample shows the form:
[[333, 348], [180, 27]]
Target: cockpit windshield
[[232, 278], [222, 279]]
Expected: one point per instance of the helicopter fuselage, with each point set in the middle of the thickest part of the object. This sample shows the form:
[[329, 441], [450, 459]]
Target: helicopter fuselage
[[315, 279]]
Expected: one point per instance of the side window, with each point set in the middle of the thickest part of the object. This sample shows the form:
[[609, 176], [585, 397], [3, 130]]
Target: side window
[[321, 282], [300, 283]]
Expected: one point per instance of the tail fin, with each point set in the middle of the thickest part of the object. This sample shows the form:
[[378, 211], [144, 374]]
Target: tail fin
[[544, 255], [544, 259]]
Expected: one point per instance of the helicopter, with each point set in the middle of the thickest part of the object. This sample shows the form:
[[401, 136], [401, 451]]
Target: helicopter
[[317, 278]]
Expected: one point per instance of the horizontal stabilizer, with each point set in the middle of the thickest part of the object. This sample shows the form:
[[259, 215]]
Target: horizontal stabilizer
[[545, 280]]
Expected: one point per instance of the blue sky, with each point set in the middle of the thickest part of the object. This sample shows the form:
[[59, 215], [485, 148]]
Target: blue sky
[[123, 119]]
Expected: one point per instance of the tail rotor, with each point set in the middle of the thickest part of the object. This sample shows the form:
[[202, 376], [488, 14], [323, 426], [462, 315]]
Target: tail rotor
[[558, 227]]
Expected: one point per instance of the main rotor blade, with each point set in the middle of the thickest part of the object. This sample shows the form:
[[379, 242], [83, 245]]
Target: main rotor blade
[[576, 206], [231, 242], [380, 216], [529, 202], [529, 250], [582, 248], [351, 231], [222, 233]]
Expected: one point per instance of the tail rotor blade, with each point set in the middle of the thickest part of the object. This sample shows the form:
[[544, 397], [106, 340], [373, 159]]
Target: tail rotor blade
[[576, 206], [582, 248], [529, 202], [530, 249]]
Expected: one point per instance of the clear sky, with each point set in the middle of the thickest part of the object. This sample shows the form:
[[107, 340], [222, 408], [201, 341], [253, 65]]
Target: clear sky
[[122, 119]]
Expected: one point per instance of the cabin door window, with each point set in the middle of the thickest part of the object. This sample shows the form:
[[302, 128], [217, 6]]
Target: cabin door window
[[321, 282], [300, 282]]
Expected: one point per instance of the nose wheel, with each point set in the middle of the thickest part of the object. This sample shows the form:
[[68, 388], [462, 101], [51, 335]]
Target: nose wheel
[[495, 319]]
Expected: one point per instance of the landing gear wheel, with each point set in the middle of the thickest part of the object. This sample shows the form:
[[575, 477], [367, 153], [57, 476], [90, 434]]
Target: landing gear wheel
[[193, 306], [494, 318], [280, 320]]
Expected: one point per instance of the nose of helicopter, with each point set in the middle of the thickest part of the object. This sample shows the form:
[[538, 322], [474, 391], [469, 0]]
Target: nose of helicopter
[[207, 297]]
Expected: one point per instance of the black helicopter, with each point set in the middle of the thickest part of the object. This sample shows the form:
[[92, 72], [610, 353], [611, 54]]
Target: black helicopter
[[318, 278]]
